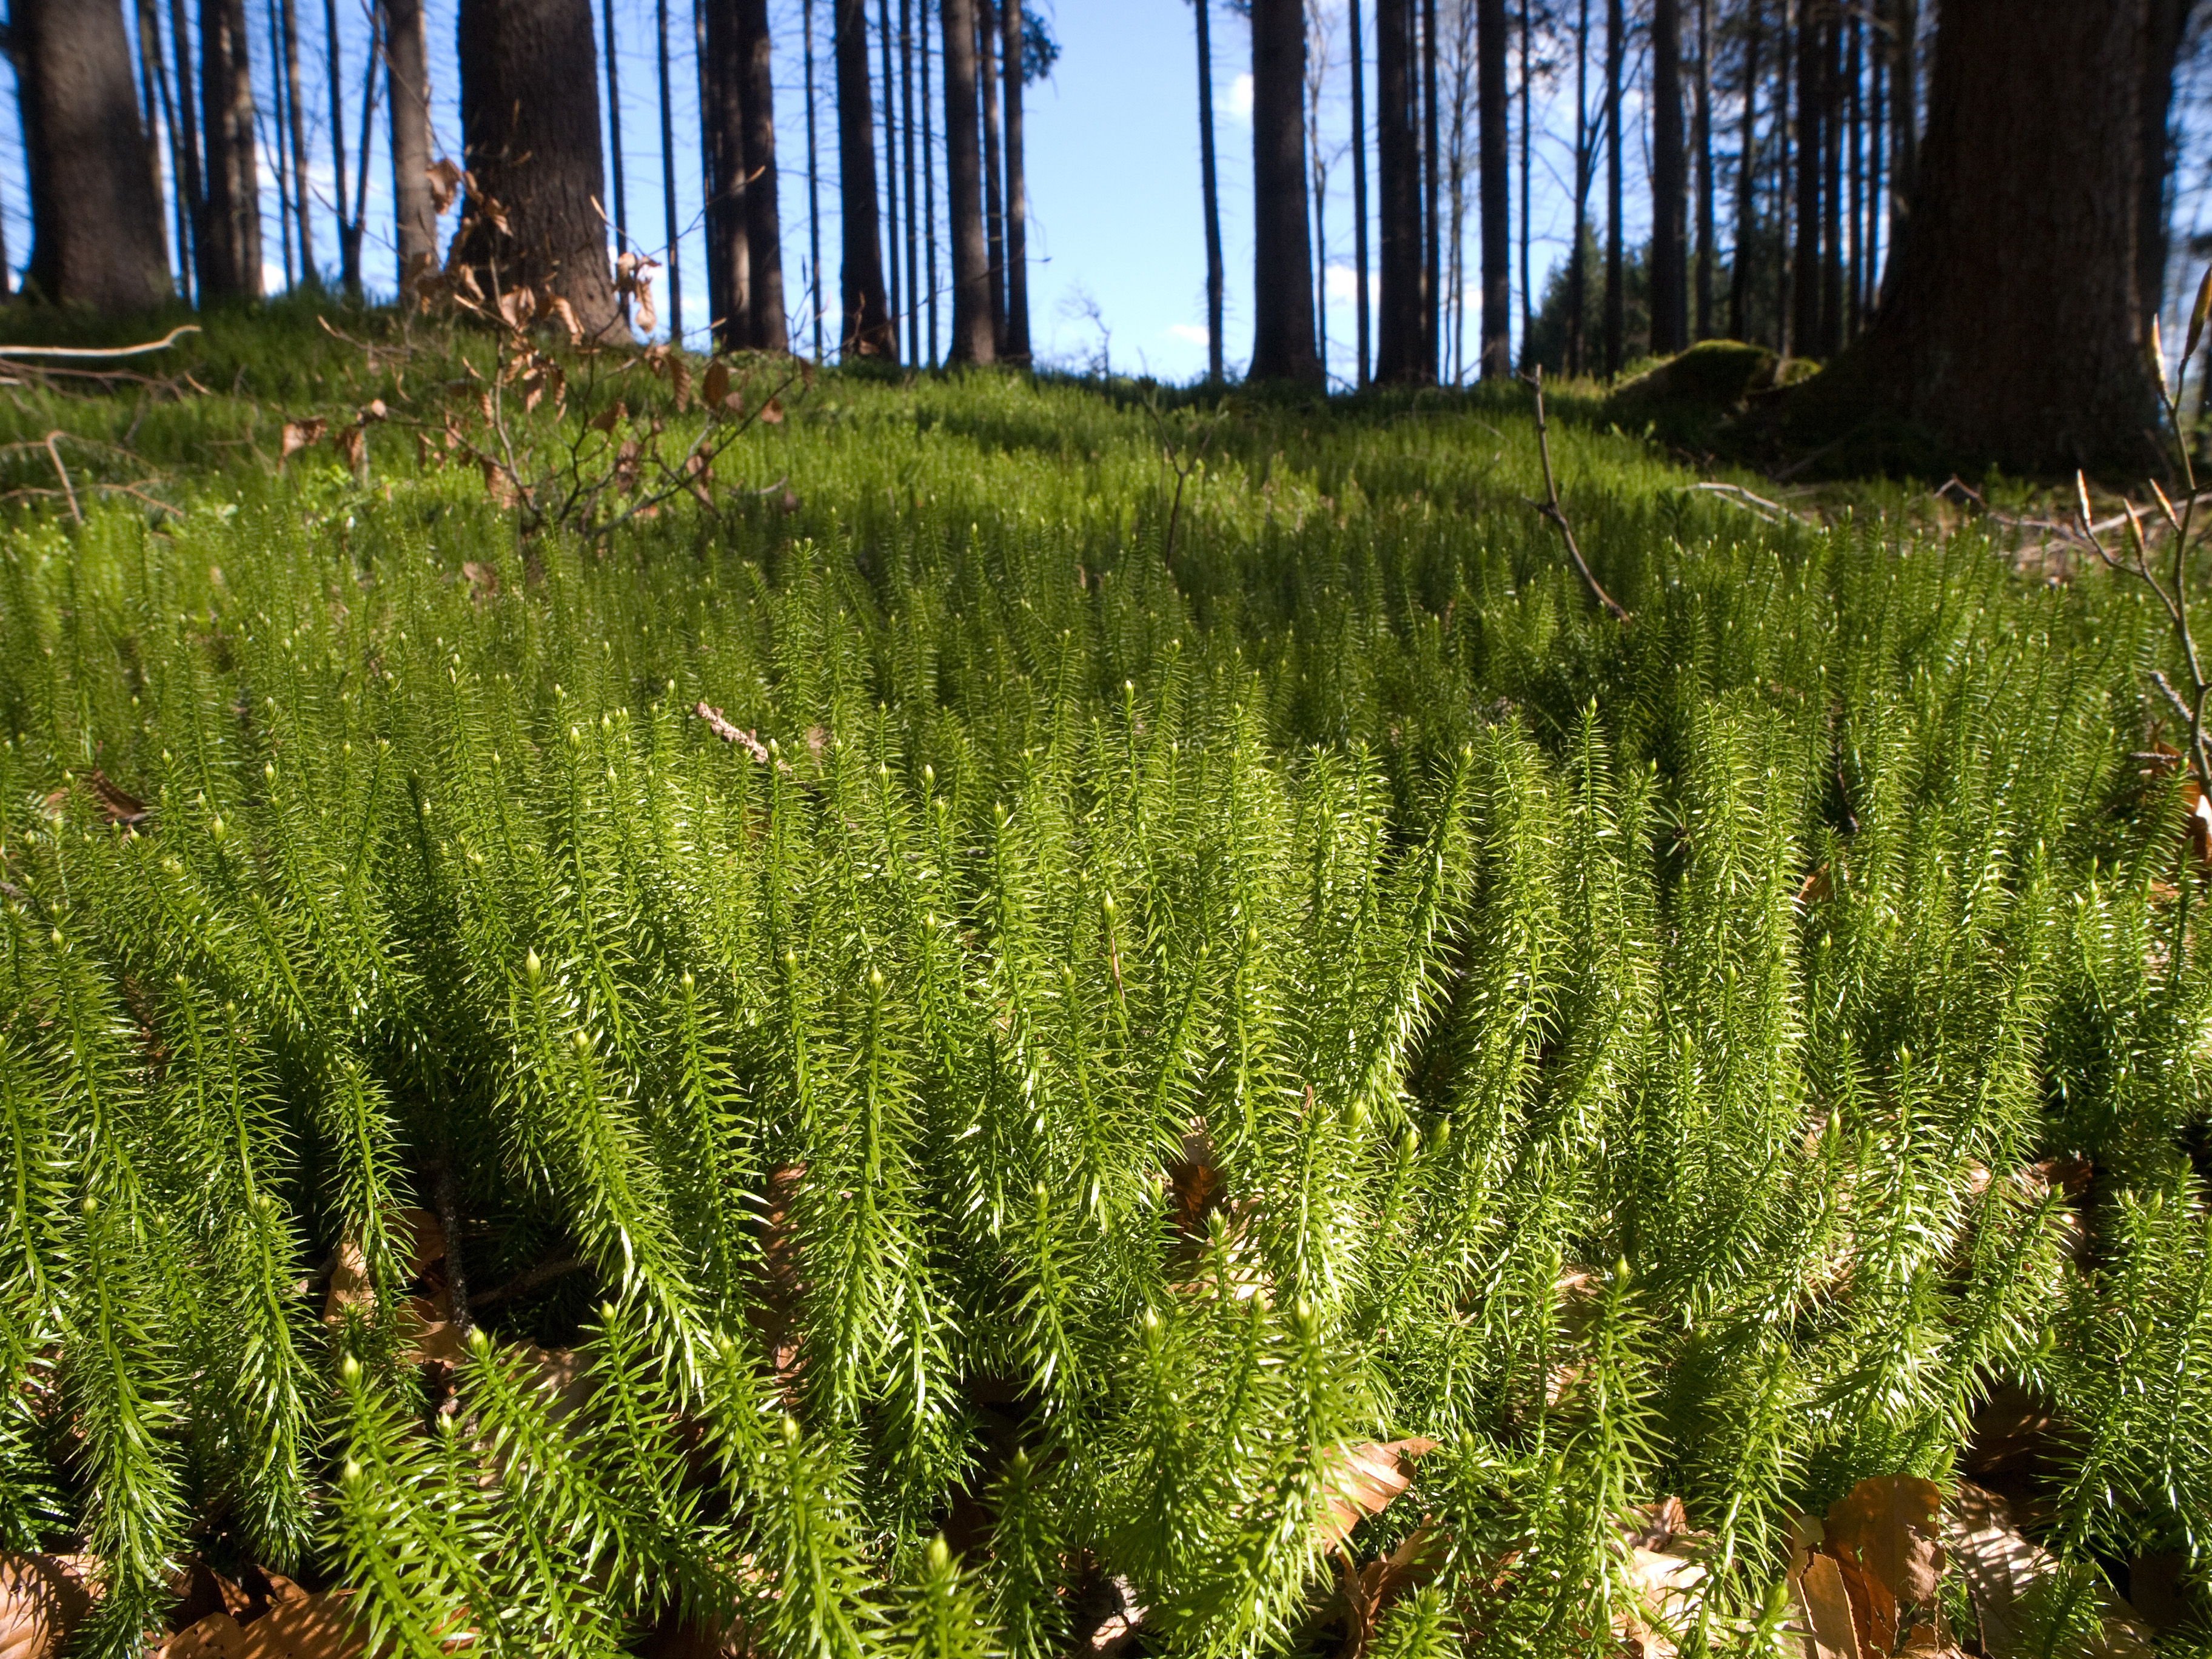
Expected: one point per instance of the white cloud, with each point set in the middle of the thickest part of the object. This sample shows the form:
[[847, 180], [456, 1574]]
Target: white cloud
[[1194, 333], [1237, 106]]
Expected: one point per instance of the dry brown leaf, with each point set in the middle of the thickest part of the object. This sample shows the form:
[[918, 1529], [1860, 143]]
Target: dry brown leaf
[[605, 419], [2001, 1566], [482, 579], [445, 177], [717, 392], [115, 806], [299, 434], [1368, 1591], [42, 1597], [560, 307], [772, 412], [1667, 1588], [1824, 1605], [350, 444], [1885, 1534], [698, 476], [1364, 1480]]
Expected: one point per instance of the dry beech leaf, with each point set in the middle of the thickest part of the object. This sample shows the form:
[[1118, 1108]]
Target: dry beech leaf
[[1824, 1608], [302, 1627], [1666, 1590], [2000, 1567], [1885, 1536], [351, 444], [772, 412], [1368, 1591], [115, 806], [1365, 1480], [299, 434], [560, 307], [605, 419], [482, 579], [42, 1597], [718, 386], [445, 177]]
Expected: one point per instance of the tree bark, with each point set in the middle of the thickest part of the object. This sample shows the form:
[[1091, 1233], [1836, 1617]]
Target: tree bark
[[670, 227], [1670, 320], [406, 61], [1018, 201], [771, 330], [614, 134], [1832, 187], [994, 217], [867, 330], [1616, 286], [1496, 187], [230, 261], [1904, 120], [1398, 334], [913, 348], [2012, 328], [298, 128], [1432, 223], [1577, 260], [1282, 282], [349, 235], [813, 183], [1702, 144], [96, 222], [1742, 259], [973, 338], [537, 155], [928, 187], [155, 74], [1361, 321], [896, 302], [721, 135], [1209, 188], [1805, 293]]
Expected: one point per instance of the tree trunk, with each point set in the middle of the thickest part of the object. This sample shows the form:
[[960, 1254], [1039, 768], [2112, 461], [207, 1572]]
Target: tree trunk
[[928, 183], [1742, 260], [2164, 26], [1398, 341], [814, 183], [1785, 42], [722, 145], [95, 222], [1317, 79], [156, 75], [1670, 317], [1832, 187], [348, 237], [1361, 322], [407, 65], [867, 330], [1577, 260], [274, 139], [1282, 278], [1497, 187], [771, 327], [2013, 329], [1432, 225], [1855, 163], [671, 230], [538, 156], [914, 351], [1209, 186], [1616, 286], [1904, 120], [230, 264], [973, 338], [191, 190], [1805, 297], [1702, 142], [896, 301], [1877, 117], [614, 135], [994, 218], [299, 129], [1018, 201], [1527, 176]]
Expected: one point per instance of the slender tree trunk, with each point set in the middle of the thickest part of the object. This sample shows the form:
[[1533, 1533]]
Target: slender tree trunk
[[1703, 143], [1398, 345], [1855, 168], [1904, 120], [974, 341], [231, 267], [814, 183], [407, 66], [1805, 325], [1209, 188], [349, 243], [1528, 177], [1616, 284], [1877, 117], [1453, 240], [721, 135], [1432, 225], [1282, 281], [1742, 259], [995, 219], [156, 79], [1497, 191], [914, 351], [1315, 76], [96, 236], [929, 181], [670, 231], [192, 187], [1577, 258], [2164, 26], [761, 201], [537, 157], [894, 291], [1832, 188], [1017, 200], [274, 137], [1784, 292], [305, 201], [1361, 321], [1670, 317], [614, 138]]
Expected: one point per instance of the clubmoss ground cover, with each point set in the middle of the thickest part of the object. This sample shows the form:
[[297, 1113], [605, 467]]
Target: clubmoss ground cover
[[1120, 1025]]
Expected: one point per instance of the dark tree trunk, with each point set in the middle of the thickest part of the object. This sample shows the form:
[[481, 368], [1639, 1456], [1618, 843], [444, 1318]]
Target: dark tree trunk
[[538, 156], [1209, 189], [1805, 298], [2167, 21], [814, 184], [1016, 346], [1832, 188], [2012, 328], [974, 340], [1491, 121], [929, 183], [1528, 174], [1854, 162], [1742, 260], [1903, 120], [407, 63], [994, 218], [155, 77], [348, 233], [1702, 142], [1616, 286], [1877, 116], [1398, 343], [1282, 278], [722, 135], [914, 353], [894, 298], [299, 132], [1670, 318], [614, 135], [1577, 258], [866, 330], [771, 330], [1784, 43], [1362, 320], [271, 136], [670, 228], [184, 139], [95, 220], [230, 249], [1432, 224]]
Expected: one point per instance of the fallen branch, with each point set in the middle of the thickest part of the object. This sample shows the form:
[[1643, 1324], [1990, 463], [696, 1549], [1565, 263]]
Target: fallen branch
[[162, 344], [1758, 506], [68, 489], [1550, 507]]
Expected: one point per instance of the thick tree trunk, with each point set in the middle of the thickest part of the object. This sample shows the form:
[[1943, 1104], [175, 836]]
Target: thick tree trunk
[[2166, 22], [2012, 330], [1209, 188], [155, 73], [1805, 293], [1018, 202], [537, 155], [1742, 260], [230, 248], [1432, 224], [973, 338], [1282, 281], [406, 61], [1398, 336], [771, 327], [994, 216], [1702, 143], [1670, 319], [896, 302], [867, 330], [1616, 285], [1361, 320], [1496, 186], [721, 135], [95, 220]]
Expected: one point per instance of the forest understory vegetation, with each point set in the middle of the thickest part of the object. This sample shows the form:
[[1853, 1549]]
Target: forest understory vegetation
[[664, 1007]]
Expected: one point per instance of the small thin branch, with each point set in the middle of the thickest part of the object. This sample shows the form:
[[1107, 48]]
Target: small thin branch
[[1550, 507], [68, 489], [162, 344]]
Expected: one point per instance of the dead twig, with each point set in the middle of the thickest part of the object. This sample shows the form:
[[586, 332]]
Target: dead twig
[[68, 489], [1758, 506], [1550, 507], [162, 344]]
